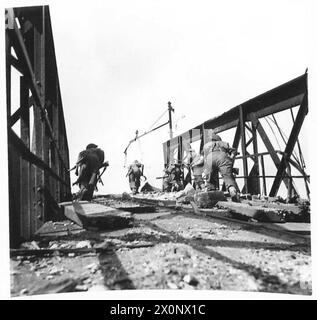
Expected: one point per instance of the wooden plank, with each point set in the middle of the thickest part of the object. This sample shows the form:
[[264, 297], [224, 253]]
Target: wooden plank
[[298, 213], [87, 214], [255, 212]]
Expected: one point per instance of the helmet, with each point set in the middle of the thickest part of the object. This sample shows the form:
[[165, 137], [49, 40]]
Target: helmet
[[91, 146], [215, 137]]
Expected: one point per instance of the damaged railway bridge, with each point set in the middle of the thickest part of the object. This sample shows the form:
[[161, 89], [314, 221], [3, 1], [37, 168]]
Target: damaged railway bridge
[[151, 240]]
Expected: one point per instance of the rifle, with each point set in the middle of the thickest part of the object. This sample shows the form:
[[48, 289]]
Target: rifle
[[104, 166]]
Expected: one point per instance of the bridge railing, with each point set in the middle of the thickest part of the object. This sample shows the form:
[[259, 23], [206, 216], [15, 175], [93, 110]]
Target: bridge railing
[[37, 141]]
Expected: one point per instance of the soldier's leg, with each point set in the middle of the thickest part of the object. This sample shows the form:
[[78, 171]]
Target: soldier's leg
[[228, 178], [166, 184], [83, 181], [137, 184], [132, 183]]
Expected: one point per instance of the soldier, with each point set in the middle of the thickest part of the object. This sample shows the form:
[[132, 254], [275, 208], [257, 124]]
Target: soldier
[[219, 158], [135, 173], [173, 178], [87, 169], [197, 166]]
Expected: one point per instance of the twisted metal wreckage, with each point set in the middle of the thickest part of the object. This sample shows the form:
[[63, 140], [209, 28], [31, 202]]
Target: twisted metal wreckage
[[38, 163]]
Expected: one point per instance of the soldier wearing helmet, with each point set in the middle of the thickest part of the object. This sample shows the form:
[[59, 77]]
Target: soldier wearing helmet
[[135, 173], [87, 166], [218, 158]]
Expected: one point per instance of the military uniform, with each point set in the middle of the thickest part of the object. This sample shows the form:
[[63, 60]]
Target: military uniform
[[197, 166], [87, 168], [173, 178], [135, 173], [217, 159]]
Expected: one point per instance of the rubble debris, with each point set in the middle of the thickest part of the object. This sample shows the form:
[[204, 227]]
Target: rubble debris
[[24, 291], [83, 244], [209, 199], [190, 280], [58, 228], [256, 212], [146, 187], [30, 245], [195, 207], [81, 287], [172, 285], [127, 205], [63, 251], [55, 270], [164, 200], [188, 190], [126, 196]]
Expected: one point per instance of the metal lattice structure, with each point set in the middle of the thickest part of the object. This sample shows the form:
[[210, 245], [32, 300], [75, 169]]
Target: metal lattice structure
[[249, 118], [38, 151]]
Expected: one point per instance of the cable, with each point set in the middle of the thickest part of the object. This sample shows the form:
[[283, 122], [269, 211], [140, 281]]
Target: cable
[[159, 118], [283, 135], [273, 133]]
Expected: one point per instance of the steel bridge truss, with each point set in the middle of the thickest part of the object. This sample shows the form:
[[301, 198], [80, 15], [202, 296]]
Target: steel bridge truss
[[38, 153], [247, 122]]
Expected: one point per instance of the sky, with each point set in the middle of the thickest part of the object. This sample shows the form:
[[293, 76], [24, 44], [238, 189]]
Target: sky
[[120, 62]]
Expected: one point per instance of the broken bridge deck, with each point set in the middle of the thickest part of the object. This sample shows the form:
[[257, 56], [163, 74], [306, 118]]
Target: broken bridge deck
[[93, 215]]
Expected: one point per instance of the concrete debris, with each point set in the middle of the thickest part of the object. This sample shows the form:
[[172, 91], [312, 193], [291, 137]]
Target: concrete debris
[[56, 270], [126, 196], [173, 250], [209, 199], [24, 291], [52, 229], [188, 190], [30, 245], [81, 287], [172, 285], [126, 205], [83, 244], [190, 280], [92, 267]]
